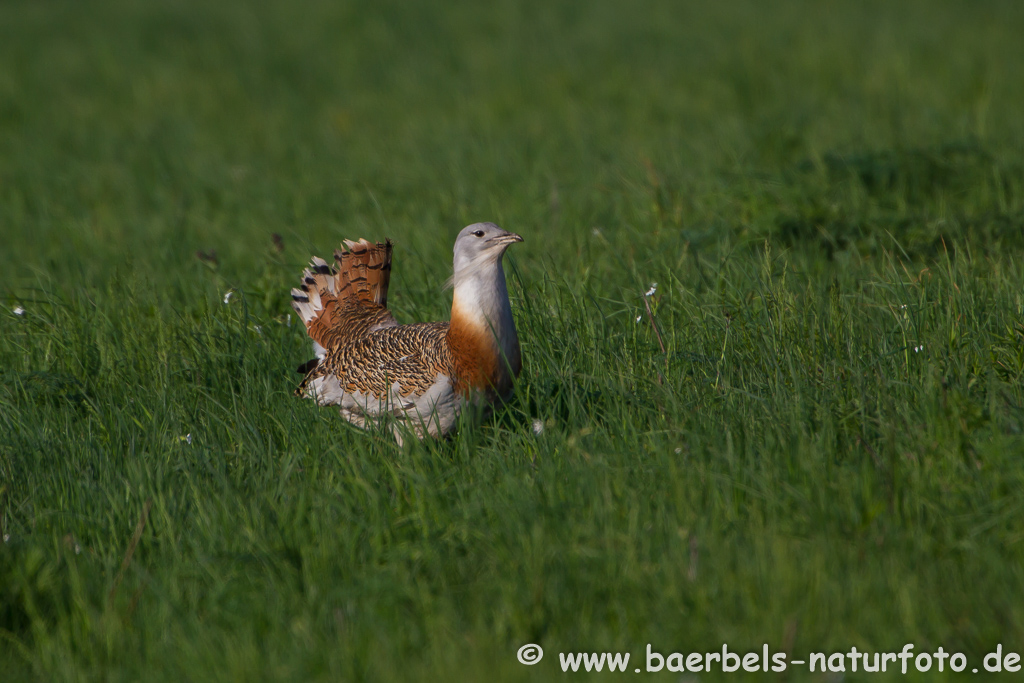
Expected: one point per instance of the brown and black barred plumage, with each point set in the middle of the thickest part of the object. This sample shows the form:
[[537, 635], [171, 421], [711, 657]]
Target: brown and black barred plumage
[[423, 374]]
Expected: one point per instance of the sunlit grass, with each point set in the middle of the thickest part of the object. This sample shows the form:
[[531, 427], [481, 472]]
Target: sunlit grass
[[813, 439]]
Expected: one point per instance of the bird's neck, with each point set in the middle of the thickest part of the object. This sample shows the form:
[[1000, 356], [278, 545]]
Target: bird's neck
[[482, 334]]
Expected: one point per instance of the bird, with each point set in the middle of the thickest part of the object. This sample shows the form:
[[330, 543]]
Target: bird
[[418, 377]]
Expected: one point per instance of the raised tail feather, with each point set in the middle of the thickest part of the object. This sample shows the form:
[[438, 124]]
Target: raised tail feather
[[341, 305], [364, 271], [316, 302]]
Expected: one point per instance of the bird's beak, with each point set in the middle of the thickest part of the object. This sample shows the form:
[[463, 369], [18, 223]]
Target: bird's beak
[[505, 238]]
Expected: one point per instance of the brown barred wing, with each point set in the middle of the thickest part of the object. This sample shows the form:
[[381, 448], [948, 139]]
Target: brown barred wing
[[395, 365]]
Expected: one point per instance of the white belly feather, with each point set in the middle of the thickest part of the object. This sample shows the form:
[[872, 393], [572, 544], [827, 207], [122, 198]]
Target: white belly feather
[[433, 412]]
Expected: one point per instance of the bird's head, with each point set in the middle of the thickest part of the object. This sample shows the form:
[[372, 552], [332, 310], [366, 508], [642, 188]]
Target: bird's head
[[481, 244]]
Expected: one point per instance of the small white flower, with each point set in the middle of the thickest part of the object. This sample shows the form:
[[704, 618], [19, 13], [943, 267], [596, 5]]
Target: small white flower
[[638, 318], [596, 232], [652, 290], [18, 310], [259, 330], [78, 549], [227, 297], [538, 427], [903, 306], [7, 537], [678, 451], [918, 349], [187, 438]]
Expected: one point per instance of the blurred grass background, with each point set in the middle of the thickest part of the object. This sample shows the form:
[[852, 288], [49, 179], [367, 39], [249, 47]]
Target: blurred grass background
[[826, 453]]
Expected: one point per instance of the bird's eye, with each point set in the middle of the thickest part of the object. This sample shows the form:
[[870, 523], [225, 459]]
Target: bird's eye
[[479, 233]]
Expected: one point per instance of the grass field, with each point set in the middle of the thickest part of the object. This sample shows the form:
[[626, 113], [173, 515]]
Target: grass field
[[826, 452]]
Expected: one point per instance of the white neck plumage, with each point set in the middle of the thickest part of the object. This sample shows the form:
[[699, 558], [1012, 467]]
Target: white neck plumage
[[481, 298], [481, 301]]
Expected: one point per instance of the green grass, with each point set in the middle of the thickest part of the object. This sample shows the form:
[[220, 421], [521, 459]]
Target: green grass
[[819, 190]]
